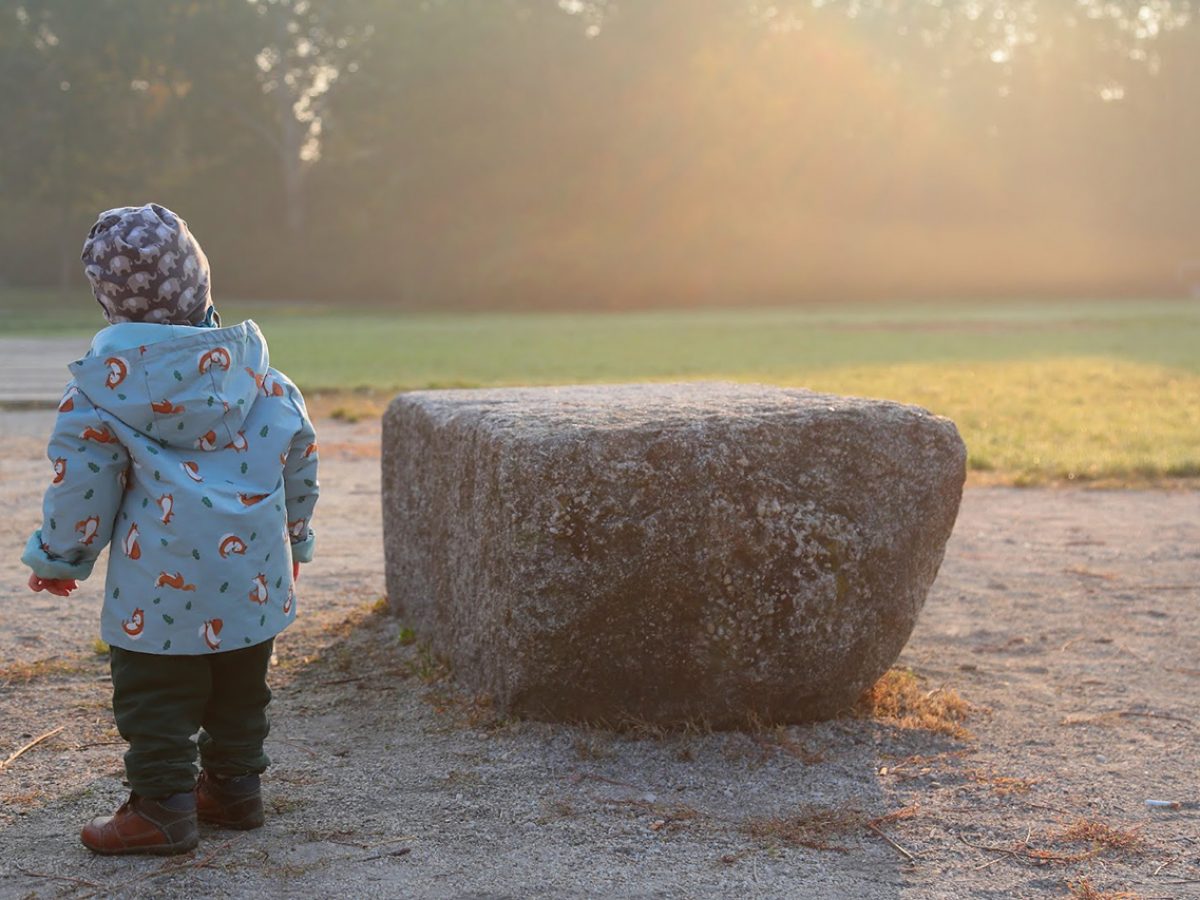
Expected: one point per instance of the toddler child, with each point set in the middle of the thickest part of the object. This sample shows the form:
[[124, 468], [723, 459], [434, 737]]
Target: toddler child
[[177, 442]]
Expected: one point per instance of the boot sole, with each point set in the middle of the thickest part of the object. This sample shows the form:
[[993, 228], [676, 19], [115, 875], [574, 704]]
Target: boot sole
[[172, 850], [233, 826], [239, 825]]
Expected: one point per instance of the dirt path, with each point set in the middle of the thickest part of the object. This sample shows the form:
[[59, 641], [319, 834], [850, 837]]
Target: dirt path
[[1071, 618], [33, 370]]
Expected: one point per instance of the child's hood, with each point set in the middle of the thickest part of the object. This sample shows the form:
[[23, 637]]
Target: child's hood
[[177, 384]]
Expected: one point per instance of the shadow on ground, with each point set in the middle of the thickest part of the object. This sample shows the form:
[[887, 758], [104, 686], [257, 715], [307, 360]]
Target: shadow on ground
[[391, 781]]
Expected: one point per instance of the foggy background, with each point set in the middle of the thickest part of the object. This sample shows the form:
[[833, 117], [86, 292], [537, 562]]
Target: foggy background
[[466, 154]]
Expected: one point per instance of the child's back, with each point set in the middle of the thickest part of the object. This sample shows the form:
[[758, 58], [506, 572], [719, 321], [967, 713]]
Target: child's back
[[197, 459]]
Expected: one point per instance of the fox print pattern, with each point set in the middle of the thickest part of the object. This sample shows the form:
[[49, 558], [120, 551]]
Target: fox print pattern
[[183, 450]]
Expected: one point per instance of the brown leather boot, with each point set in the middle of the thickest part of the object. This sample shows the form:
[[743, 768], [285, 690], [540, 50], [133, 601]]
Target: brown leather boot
[[160, 826], [230, 802]]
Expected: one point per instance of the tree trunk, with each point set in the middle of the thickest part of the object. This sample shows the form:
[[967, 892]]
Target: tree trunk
[[67, 254], [290, 138], [293, 175]]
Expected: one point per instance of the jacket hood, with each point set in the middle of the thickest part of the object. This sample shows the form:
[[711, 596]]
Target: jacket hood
[[178, 385]]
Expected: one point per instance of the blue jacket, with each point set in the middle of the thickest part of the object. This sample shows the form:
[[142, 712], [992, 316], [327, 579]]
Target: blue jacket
[[182, 447]]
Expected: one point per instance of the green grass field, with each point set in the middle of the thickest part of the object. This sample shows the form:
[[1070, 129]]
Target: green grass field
[[1105, 392]]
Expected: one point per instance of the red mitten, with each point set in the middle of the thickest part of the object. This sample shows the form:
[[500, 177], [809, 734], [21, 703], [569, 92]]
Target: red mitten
[[295, 571], [60, 587]]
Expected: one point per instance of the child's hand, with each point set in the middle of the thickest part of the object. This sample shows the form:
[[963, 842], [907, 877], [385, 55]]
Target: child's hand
[[60, 587], [295, 571]]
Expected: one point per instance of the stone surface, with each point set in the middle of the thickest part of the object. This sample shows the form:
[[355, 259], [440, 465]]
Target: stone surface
[[665, 552]]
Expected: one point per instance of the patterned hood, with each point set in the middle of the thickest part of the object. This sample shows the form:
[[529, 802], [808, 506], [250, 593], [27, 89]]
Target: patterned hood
[[178, 385]]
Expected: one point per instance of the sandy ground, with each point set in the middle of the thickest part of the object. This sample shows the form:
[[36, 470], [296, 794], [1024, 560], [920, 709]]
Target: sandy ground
[[1070, 618]]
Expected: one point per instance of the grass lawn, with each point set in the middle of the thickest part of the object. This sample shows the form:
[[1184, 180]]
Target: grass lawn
[[1105, 392]]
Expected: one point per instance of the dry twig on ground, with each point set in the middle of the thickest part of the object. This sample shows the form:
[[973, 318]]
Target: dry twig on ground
[[37, 740]]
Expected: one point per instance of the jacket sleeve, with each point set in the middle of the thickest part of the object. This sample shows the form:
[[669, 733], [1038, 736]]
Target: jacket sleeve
[[301, 487], [81, 504]]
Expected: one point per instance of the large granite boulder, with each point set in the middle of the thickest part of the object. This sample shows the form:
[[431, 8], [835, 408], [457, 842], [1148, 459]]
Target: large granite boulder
[[665, 552]]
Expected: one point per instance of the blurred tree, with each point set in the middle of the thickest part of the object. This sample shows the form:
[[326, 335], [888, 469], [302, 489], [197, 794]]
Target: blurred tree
[[114, 100], [584, 152], [76, 109], [260, 78], [305, 49]]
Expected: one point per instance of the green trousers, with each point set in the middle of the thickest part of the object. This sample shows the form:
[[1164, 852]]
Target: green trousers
[[161, 701]]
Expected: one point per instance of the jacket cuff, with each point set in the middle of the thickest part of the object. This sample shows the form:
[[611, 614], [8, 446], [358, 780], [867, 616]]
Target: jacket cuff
[[46, 566], [302, 551]]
